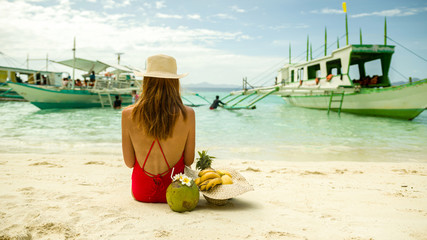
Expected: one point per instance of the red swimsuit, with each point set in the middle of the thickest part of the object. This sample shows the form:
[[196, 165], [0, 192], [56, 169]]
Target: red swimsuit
[[147, 187]]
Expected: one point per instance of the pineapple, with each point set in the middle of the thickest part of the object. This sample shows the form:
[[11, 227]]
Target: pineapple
[[204, 160]]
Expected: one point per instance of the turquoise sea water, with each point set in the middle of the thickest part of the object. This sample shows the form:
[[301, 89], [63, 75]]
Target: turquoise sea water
[[273, 131]]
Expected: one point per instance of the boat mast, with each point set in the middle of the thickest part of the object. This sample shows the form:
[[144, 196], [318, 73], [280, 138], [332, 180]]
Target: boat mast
[[306, 58], [385, 30], [360, 36], [74, 63], [344, 6], [326, 41], [118, 57], [311, 52]]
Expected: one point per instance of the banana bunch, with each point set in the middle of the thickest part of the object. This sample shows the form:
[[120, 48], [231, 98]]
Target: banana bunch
[[209, 178]]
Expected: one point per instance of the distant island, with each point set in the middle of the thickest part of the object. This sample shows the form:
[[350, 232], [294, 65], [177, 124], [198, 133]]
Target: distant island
[[205, 86]]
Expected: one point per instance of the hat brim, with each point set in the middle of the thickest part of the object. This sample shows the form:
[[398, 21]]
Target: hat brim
[[159, 74], [221, 192]]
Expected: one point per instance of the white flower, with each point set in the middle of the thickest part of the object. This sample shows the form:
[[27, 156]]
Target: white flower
[[182, 178], [177, 177], [186, 180]]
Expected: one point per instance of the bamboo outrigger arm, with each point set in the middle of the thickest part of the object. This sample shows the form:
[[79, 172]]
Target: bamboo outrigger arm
[[191, 103], [200, 96], [250, 105]]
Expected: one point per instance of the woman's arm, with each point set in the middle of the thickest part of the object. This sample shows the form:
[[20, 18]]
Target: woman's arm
[[127, 147], [190, 144]]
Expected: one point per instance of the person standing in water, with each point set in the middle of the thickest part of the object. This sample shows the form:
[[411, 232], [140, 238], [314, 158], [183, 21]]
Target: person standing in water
[[117, 103], [216, 103]]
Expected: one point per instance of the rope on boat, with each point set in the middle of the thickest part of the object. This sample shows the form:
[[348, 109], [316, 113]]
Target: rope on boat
[[409, 50], [403, 76]]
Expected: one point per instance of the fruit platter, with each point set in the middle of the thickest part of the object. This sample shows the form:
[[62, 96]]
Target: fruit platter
[[217, 185]]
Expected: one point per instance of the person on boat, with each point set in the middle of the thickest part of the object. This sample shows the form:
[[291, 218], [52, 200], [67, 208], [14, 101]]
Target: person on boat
[[216, 103], [92, 76], [117, 103], [158, 132], [92, 79], [135, 96], [78, 83], [65, 82]]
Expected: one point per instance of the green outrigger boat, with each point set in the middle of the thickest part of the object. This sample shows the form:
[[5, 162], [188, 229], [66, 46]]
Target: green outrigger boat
[[353, 79]]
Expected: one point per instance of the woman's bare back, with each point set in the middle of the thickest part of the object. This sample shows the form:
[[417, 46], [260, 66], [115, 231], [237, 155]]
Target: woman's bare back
[[136, 144]]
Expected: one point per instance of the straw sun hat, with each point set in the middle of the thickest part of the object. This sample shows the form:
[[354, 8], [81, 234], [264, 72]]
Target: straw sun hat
[[220, 194], [161, 66]]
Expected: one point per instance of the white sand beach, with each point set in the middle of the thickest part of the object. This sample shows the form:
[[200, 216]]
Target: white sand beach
[[88, 197]]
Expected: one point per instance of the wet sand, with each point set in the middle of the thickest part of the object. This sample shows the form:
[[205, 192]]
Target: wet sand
[[88, 197]]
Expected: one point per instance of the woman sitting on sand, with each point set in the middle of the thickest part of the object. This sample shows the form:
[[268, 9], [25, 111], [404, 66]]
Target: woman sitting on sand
[[158, 132]]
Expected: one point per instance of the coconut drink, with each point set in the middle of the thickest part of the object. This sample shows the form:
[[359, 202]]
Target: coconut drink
[[182, 194]]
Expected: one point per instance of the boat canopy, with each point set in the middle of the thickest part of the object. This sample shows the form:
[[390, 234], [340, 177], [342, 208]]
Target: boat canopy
[[85, 65], [96, 66], [119, 68]]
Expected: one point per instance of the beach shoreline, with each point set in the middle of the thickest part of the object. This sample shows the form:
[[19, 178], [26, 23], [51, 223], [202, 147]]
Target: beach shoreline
[[87, 196]]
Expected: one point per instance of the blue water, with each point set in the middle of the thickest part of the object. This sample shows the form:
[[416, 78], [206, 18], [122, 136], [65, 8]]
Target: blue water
[[273, 131]]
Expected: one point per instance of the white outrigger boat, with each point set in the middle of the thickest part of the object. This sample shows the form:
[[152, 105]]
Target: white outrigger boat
[[30, 76], [343, 82], [99, 92]]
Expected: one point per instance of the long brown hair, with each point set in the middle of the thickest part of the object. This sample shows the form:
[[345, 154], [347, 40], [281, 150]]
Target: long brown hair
[[159, 106]]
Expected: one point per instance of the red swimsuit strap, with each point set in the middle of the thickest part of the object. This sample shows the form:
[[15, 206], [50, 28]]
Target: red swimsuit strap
[[164, 157]]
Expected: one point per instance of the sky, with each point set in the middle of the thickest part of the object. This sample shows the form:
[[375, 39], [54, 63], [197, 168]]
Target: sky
[[216, 41]]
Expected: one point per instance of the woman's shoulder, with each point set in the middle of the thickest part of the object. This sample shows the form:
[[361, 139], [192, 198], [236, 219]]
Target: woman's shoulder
[[127, 111], [189, 111]]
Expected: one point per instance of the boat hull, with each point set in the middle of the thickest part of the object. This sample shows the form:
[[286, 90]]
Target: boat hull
[[404, 102], [7, 94], [47, 98]]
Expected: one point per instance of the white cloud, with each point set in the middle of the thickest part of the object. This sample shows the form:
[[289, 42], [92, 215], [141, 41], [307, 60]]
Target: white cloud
[[50, 30], [110, 4], [194, 16], [328, 11], [393, 12], [91, 1], [224, 16], [288, 26], [160, 4], [237, 9], [162, 15]]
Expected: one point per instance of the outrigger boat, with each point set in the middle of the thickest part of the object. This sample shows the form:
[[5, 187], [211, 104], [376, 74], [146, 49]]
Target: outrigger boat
[[352, 79], [30, 76], [99, 92]]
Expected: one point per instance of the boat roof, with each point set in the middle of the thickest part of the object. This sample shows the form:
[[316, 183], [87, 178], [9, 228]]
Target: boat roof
[[96, 66], [366, 49], [84, 65], [24, 70]]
